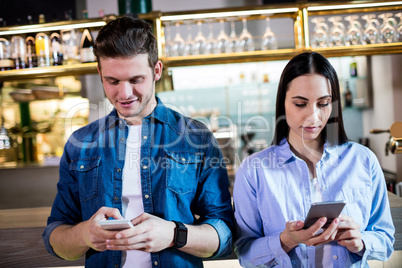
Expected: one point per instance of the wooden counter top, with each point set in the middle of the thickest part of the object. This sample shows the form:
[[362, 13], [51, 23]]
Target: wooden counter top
[[21, 243]]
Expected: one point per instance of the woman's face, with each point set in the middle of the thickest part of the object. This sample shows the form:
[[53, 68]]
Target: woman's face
[[307, 107]]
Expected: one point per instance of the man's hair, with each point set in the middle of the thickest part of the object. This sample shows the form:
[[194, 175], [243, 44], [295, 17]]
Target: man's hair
[[126, 37], [304, 64]]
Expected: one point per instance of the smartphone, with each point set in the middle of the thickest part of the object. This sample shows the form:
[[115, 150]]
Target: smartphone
[[330, 210], [115, 225]]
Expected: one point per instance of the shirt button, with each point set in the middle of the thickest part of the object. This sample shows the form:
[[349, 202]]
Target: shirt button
[[145, 137], [118, 170], [335, 257], [116, 265], [144, 167], [116, 198], [122, 139], [156, 263], [147, 196], [82, 166], [183, 159]]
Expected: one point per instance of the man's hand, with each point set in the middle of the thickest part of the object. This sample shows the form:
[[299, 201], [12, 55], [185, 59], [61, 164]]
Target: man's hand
[[294, 234], [150, 234], [70, 242], [94, 235], [349, 234]]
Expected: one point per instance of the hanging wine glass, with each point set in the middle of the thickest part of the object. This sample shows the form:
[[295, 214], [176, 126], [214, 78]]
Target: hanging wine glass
[[354, 33], [200, 41], [168, 39], [233, 45], [371, 32], [189, 43], [399, 26], [222, 39], [337, 31], [320, 34], [246, 42], [269, 41], [210, 47], [388, 30], [178, 43]]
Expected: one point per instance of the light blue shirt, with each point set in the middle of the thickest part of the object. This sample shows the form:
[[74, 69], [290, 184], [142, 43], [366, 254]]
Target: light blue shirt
[[272, 187]]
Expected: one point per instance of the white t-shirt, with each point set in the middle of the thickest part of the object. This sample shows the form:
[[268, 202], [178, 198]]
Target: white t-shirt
[[132, 195]]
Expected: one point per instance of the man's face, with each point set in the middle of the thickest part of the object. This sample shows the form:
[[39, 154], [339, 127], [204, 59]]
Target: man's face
[[129, 85]]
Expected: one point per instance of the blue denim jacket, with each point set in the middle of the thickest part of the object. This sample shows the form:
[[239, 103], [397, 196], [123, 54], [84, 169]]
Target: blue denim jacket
[[183, 174]]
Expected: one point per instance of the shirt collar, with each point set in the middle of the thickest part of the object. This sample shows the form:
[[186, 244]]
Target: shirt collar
[[330, 153], [160, 113]]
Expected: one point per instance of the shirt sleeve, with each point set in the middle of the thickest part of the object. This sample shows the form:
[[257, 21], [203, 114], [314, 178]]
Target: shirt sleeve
[[65, 209], [253, 248], [378, 236], [214, 202]]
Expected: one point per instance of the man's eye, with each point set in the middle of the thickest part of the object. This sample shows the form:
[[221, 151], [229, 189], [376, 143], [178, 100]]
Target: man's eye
[[113, 82], [136, 81]]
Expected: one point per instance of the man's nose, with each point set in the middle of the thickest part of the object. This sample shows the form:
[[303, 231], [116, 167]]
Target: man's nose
[[125, 90]]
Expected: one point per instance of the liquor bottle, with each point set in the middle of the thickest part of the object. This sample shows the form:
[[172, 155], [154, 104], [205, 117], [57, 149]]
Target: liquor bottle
[[348, 96], [6, 63], [41, 18], [353, 68], [18, 51], [42, 46], [86, 47], [55, 44], [31, 60]]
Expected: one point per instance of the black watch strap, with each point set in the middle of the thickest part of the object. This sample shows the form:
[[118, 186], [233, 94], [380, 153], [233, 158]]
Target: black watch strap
[[180, 235]]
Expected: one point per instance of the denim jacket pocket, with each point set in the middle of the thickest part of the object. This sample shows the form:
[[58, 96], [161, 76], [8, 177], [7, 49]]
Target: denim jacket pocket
[[87, 176], [181, 173]]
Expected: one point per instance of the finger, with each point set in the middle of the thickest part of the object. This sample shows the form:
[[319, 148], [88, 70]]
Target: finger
[[138, 246], [349, 234], [344, 217], [294, 225], [142, 217], [107, 212], [351, 225], [317, 226]]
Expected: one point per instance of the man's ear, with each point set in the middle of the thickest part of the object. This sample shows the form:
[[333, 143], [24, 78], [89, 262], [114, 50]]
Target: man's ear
[[158, 70]]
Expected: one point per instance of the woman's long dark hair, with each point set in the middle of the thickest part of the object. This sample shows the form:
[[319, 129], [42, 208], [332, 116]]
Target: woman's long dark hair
[[310, 63]]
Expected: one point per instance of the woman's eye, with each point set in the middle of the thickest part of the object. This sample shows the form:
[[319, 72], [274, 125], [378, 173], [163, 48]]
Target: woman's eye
[[323, 104], [300, 105]]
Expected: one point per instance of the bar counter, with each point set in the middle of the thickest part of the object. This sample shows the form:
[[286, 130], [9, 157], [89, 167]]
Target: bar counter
[[21, 242]]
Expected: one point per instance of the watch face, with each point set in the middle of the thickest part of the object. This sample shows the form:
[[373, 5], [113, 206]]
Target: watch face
[[181, 236]]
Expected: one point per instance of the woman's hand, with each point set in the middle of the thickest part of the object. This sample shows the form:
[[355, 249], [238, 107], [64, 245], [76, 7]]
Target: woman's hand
[[294, 234], [349, 234]]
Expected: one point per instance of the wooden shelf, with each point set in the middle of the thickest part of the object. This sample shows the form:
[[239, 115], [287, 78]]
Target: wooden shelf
[[43, 72]]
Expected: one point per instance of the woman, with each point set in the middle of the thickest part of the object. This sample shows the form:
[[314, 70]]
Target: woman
[[311, 160]]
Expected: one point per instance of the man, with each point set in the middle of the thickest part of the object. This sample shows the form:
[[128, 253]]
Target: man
[[142, 162]]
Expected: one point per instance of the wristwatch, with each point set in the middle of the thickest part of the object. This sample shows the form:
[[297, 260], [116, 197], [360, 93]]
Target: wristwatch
[[180, 235]]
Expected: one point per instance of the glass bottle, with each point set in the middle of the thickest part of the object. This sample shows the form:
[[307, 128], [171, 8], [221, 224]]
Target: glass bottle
[[6, 63], [18, 51], [86, 47], [57, 54], [348, 96], [69, 46], [31, 59], [42, 46]]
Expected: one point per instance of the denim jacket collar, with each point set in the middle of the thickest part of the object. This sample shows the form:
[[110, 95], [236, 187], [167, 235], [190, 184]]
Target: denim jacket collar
[[160, 113]]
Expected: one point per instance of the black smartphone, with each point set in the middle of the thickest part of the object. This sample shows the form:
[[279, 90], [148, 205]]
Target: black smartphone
[[330, 210]]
